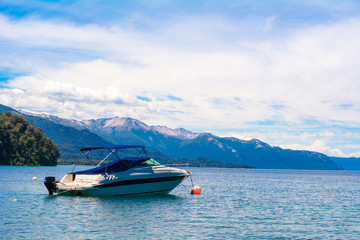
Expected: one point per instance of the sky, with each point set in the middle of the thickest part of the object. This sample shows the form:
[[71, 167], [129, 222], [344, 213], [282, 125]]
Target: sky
[[284, 72]]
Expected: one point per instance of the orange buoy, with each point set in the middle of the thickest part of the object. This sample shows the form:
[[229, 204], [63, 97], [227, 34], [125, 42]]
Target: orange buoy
[[196, 190]]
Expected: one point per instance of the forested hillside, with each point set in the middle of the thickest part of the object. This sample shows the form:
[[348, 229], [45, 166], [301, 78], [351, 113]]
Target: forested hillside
[[21, 143]]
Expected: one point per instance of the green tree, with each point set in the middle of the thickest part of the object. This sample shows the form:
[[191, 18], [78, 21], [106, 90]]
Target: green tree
[[21, 143]]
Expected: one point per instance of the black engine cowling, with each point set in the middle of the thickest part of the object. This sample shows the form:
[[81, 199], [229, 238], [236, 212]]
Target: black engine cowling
[[50, 184]]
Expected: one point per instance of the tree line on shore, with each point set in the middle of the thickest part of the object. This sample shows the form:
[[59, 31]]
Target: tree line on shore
[[21, 143]]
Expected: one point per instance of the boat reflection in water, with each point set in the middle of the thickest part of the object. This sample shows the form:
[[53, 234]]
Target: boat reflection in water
[[133, 172]]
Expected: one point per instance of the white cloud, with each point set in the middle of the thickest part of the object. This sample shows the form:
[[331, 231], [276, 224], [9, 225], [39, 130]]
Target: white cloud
[[269, 23], [320, 146], [222, 77]]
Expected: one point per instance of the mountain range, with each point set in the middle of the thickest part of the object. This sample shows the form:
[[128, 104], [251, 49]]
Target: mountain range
[[350, 164], [70, 135]]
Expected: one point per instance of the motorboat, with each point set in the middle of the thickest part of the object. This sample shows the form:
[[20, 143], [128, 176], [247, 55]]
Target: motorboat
[[132, 172]]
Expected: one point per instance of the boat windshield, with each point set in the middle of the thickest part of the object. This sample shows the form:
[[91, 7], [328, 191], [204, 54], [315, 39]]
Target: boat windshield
[[150, 162]]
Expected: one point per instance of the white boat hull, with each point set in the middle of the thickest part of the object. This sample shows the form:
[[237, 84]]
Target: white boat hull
[[148, 180]]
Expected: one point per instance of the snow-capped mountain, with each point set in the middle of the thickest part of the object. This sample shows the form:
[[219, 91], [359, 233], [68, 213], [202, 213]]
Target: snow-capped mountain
[[180, 133], [117, 123]]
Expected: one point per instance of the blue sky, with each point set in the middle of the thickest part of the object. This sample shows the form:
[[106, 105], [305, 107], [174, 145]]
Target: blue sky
[[285, 72]]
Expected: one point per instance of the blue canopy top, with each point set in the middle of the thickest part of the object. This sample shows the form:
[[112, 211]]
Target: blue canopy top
[[115, 166], [122, 164], [112, 147]]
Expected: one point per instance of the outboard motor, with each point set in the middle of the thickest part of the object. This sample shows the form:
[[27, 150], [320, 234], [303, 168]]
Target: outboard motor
[[50, 184]]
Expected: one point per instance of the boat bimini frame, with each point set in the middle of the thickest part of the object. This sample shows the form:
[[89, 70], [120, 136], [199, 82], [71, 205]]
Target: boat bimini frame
[[112, 152]]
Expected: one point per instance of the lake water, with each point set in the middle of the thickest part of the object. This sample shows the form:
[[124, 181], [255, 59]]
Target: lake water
[[234, 204]]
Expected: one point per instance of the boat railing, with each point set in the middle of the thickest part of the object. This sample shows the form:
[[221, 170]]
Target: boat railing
[[163, 165], [178, 164]]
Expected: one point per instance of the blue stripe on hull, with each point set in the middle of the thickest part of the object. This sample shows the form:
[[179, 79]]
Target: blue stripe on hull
[[140, 181]]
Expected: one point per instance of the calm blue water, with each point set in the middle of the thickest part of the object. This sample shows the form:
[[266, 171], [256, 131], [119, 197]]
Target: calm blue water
[[235, 204]]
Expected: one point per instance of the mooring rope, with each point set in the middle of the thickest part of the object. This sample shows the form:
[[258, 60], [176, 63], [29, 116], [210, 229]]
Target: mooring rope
[[192, 183], [185, 187]]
